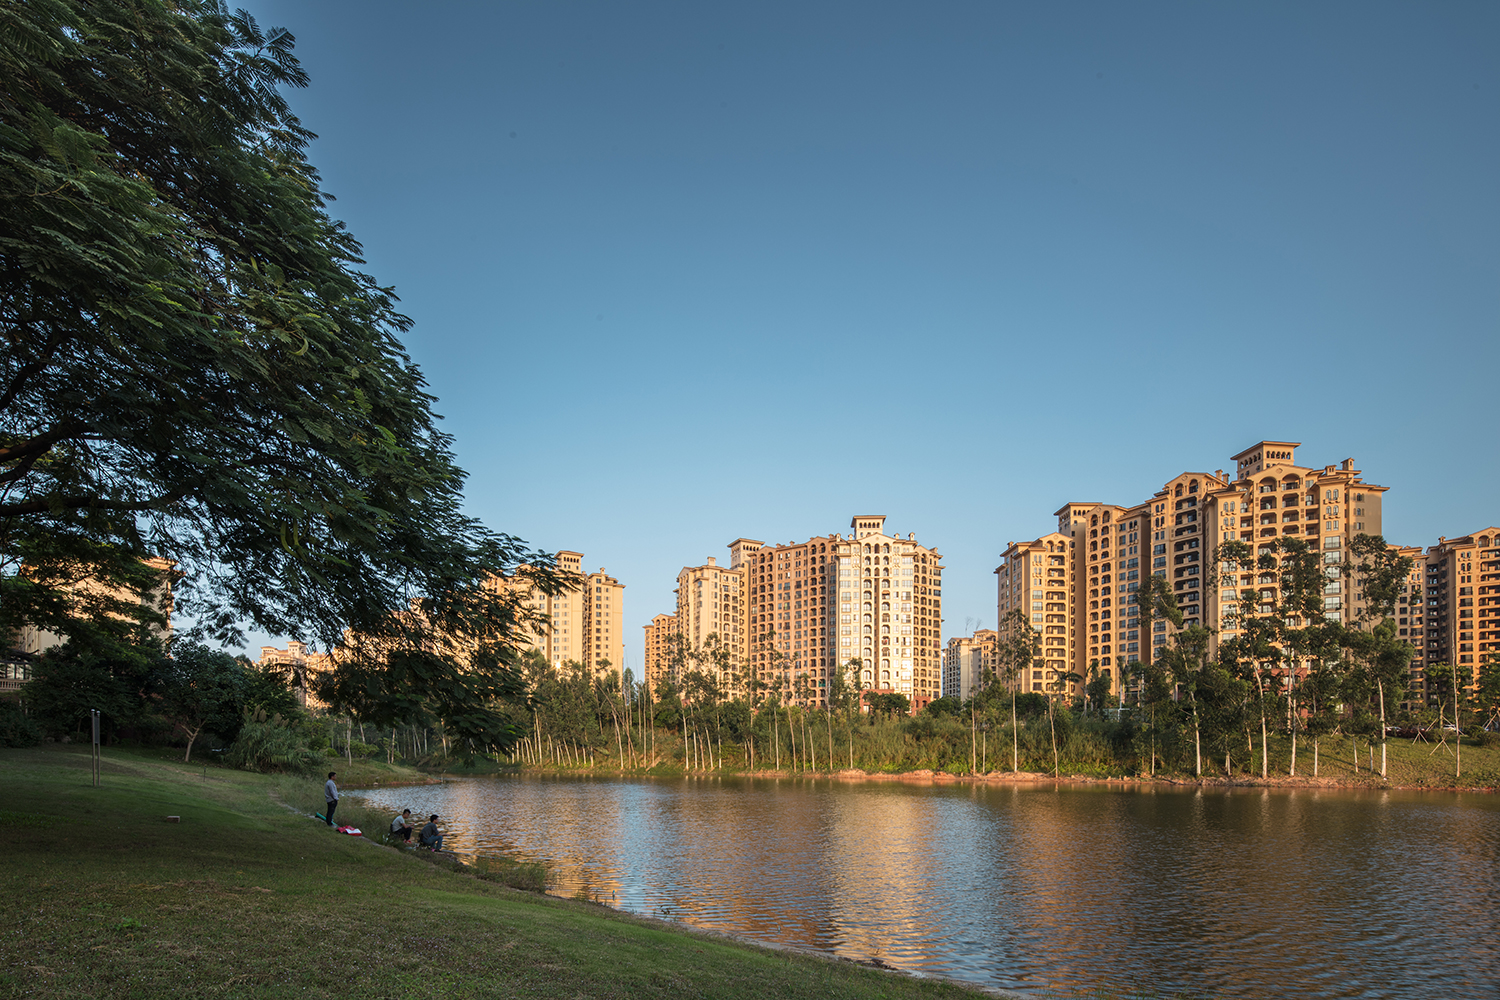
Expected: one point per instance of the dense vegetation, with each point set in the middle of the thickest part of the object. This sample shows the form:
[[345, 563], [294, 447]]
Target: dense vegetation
[[200, 386]]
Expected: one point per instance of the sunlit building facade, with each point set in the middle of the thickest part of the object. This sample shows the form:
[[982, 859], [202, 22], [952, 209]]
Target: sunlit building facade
[[967, 661], [584, 624], [1174, 535], [1461, 595], [712, 619]]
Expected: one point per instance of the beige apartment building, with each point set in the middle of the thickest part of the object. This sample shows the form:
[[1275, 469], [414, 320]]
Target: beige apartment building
[[712, 618], [658, 657], [967, 661], [583, 625], [1038, 579], [869, 604], [1174, 533], [1461, 604]]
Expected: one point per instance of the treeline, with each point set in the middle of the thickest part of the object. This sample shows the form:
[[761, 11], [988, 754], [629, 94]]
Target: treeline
[[1220, 727], [1310, 652], [202, 701]]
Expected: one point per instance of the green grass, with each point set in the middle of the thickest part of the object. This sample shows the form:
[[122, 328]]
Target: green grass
[[246, 898]]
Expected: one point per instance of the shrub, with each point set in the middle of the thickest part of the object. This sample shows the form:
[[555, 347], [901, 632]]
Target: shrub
[[17, 729], [268, 747]]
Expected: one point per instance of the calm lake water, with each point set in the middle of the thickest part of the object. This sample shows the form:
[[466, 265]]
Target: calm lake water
[[1250, 892]]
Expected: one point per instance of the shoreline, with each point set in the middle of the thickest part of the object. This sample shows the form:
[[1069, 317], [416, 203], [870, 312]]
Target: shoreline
[[1372, 783]]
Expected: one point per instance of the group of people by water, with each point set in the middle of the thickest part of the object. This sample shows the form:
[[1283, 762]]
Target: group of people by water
[[429, 836]]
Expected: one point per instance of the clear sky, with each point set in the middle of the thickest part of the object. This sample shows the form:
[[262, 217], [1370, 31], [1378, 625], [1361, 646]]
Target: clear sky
[[686, 272]]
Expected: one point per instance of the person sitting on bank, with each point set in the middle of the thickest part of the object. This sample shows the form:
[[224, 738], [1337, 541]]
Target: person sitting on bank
[[401, 826], [430, 837]]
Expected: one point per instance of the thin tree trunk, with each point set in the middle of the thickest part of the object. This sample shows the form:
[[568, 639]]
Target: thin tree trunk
[[1015, 737], [1053, 726], [1381, 689], [1197, 741], [192, 735], [1458, 730]]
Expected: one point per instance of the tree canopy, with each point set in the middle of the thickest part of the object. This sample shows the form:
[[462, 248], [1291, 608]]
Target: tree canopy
[[194, 365]]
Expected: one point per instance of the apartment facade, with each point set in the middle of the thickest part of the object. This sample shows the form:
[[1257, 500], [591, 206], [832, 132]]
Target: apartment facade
[[712, 619], [604, 623], [967, 661], [868, 604], [658, 648], [582, 625], [1461, 604], [1174, 533], [1038, 579]]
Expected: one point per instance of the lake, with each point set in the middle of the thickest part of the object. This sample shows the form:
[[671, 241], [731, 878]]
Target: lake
[[1240, 892]]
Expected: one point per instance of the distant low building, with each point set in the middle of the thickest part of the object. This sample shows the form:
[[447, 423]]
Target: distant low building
[[302, 667], [967, 660]]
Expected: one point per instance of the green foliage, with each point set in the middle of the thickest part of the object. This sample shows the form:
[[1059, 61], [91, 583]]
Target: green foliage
[[272, 746], [203, 689], [17, 729], [196, 369], [947, 705], [1031, 704], [71, 679]]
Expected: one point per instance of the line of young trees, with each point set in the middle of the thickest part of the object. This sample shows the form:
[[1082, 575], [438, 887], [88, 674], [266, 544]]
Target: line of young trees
[[1287, 675]]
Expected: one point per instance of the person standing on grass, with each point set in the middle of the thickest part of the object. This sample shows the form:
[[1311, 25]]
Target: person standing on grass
[[330, 798], [401, 826], [430, 837]]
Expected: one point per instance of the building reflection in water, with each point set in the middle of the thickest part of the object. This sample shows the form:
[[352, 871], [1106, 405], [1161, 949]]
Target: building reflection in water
[[1240, 893]]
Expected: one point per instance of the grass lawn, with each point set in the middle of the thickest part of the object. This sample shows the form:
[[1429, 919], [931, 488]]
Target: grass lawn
[[245, 898]]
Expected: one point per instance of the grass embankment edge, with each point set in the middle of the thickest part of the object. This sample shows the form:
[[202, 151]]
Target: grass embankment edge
[[246, 897]]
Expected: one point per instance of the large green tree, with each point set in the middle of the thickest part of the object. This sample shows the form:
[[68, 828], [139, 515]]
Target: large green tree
[[195, 367]]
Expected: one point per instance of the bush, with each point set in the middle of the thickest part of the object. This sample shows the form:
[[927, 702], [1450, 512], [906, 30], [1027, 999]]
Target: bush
[[17, 729], [1482, 737], [269, 747]]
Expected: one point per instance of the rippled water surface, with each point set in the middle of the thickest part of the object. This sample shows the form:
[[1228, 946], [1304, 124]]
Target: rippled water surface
[[1243, 893]]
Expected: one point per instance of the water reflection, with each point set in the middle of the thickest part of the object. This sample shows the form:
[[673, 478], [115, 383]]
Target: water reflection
[[1251, 892]]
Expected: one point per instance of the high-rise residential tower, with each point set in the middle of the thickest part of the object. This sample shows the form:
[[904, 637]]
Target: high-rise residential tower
[[711, 619], [1174, 535]]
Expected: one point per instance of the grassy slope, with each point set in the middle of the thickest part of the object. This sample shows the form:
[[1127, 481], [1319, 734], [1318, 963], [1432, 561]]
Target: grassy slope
[[244, 898]]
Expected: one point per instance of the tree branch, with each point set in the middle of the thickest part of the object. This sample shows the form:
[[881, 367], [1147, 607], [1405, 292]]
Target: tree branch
[[46, 504]]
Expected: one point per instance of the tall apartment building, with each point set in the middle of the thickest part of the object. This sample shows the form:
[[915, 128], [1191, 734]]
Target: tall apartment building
[[793, 614], [791, 597], [1038, 578], [967, 660], [658, 648], [604, 622], [1462, 604], [711, 618], [583, 625], [1174, 533], [882, 596]]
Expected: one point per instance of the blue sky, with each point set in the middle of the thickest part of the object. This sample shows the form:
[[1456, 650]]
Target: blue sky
[[954, 263]]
